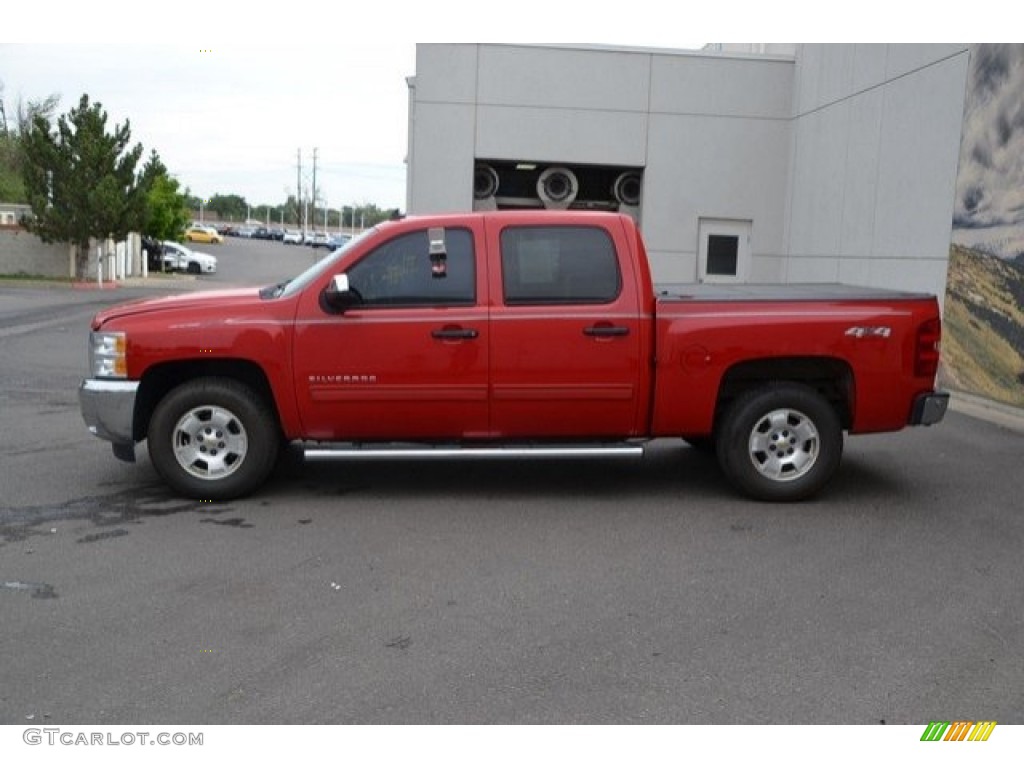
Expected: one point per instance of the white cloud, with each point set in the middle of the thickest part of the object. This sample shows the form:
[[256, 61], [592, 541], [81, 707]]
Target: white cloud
[[990, 182]]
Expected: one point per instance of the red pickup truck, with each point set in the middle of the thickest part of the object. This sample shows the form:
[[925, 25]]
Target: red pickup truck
[[508, 334]]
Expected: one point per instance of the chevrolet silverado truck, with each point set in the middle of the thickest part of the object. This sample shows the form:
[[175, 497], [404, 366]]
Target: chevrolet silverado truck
[[508, 334]]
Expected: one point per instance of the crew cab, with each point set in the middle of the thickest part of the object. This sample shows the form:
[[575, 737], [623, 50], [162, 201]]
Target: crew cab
[[508, 334]]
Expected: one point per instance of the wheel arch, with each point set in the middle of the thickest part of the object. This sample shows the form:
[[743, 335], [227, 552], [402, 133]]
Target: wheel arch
[[162, 378], [831, 377]]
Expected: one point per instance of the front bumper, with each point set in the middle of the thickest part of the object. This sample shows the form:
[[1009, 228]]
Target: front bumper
[[929, 408], [108, 408]]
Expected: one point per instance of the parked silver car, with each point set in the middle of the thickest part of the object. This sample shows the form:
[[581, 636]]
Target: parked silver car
[[178, 258]]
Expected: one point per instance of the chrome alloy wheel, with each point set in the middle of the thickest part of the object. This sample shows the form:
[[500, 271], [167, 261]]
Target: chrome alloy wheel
[[210, 442], [784, 445]]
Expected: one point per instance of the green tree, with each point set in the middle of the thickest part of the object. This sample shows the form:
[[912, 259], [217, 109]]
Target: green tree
[[228, 207], [12, 186], [12, 189], [29, 110], [167, 212], [365, 215], [81, 181]]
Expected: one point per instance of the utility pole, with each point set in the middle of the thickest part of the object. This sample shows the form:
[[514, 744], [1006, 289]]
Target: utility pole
[[298, 196], [314, 186]]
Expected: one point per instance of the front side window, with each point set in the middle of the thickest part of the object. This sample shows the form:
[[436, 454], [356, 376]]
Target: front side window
[[398, 273], [559, 265]]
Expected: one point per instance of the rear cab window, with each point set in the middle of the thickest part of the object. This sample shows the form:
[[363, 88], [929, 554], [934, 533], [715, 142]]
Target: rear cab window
[[558, 265]]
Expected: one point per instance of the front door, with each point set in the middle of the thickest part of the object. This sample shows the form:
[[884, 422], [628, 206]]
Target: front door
[[410, 360]]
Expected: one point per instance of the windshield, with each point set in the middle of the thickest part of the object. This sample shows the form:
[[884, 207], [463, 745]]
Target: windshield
[[297, 283]]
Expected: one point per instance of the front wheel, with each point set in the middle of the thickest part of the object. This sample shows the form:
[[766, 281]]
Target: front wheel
[[781, 442], [213, 439]]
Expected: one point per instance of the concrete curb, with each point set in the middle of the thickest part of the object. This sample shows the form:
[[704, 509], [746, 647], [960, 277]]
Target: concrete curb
[[172, 282], [987, 410]]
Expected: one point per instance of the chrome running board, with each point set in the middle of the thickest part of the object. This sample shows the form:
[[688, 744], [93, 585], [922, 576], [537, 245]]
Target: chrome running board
[[404, 451]]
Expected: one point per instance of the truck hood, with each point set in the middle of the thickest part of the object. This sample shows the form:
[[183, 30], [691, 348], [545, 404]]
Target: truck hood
[[225, 300]]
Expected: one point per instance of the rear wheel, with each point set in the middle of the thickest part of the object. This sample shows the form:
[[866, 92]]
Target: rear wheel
[[781, 442], [213, 439]]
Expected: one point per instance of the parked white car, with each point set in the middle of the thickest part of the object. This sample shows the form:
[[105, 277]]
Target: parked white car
[[292, 237], [178, 258]]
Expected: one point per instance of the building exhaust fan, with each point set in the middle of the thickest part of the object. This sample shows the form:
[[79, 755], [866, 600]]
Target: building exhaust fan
[[485, 187], [557, 188], [626, 189]]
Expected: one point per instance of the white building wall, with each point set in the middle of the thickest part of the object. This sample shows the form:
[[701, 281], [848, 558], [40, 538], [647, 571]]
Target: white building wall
[[709, 129], [876, 138], [843, 158]]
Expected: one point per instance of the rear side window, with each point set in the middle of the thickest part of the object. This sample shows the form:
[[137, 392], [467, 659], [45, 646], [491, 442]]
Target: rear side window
[[398, 274], [559, 265]]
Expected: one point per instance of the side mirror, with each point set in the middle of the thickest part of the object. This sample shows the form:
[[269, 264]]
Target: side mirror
[[339, 295]]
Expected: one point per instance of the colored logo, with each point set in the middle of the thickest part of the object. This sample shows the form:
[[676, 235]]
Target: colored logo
[[958, 730]]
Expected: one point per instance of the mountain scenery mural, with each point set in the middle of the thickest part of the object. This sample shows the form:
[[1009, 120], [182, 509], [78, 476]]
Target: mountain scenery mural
[[983, 343]]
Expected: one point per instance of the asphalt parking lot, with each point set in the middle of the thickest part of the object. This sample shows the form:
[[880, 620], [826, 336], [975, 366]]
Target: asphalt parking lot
[[638, 591]]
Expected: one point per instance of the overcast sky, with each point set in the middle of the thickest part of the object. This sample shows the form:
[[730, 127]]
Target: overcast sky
[[232, 119], [228, 98]]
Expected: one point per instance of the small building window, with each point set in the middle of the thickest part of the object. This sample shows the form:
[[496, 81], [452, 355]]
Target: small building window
[[724, 250]]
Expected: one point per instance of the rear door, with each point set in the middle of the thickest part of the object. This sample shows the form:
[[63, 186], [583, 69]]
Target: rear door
[[565, 332]]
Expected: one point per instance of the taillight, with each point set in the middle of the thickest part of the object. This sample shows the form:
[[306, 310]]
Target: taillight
[[926, 349]]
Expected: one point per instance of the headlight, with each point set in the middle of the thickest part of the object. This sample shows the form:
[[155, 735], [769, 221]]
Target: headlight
[[107, 358]]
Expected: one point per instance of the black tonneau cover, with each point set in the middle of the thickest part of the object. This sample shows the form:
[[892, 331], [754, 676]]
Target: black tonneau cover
[[672, 292]]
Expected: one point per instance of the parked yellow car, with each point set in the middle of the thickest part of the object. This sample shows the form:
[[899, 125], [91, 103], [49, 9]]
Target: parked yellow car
[[203, 235]]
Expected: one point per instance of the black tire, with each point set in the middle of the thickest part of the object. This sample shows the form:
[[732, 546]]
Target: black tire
[[193, 268], [780, 442], [213, 439]]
